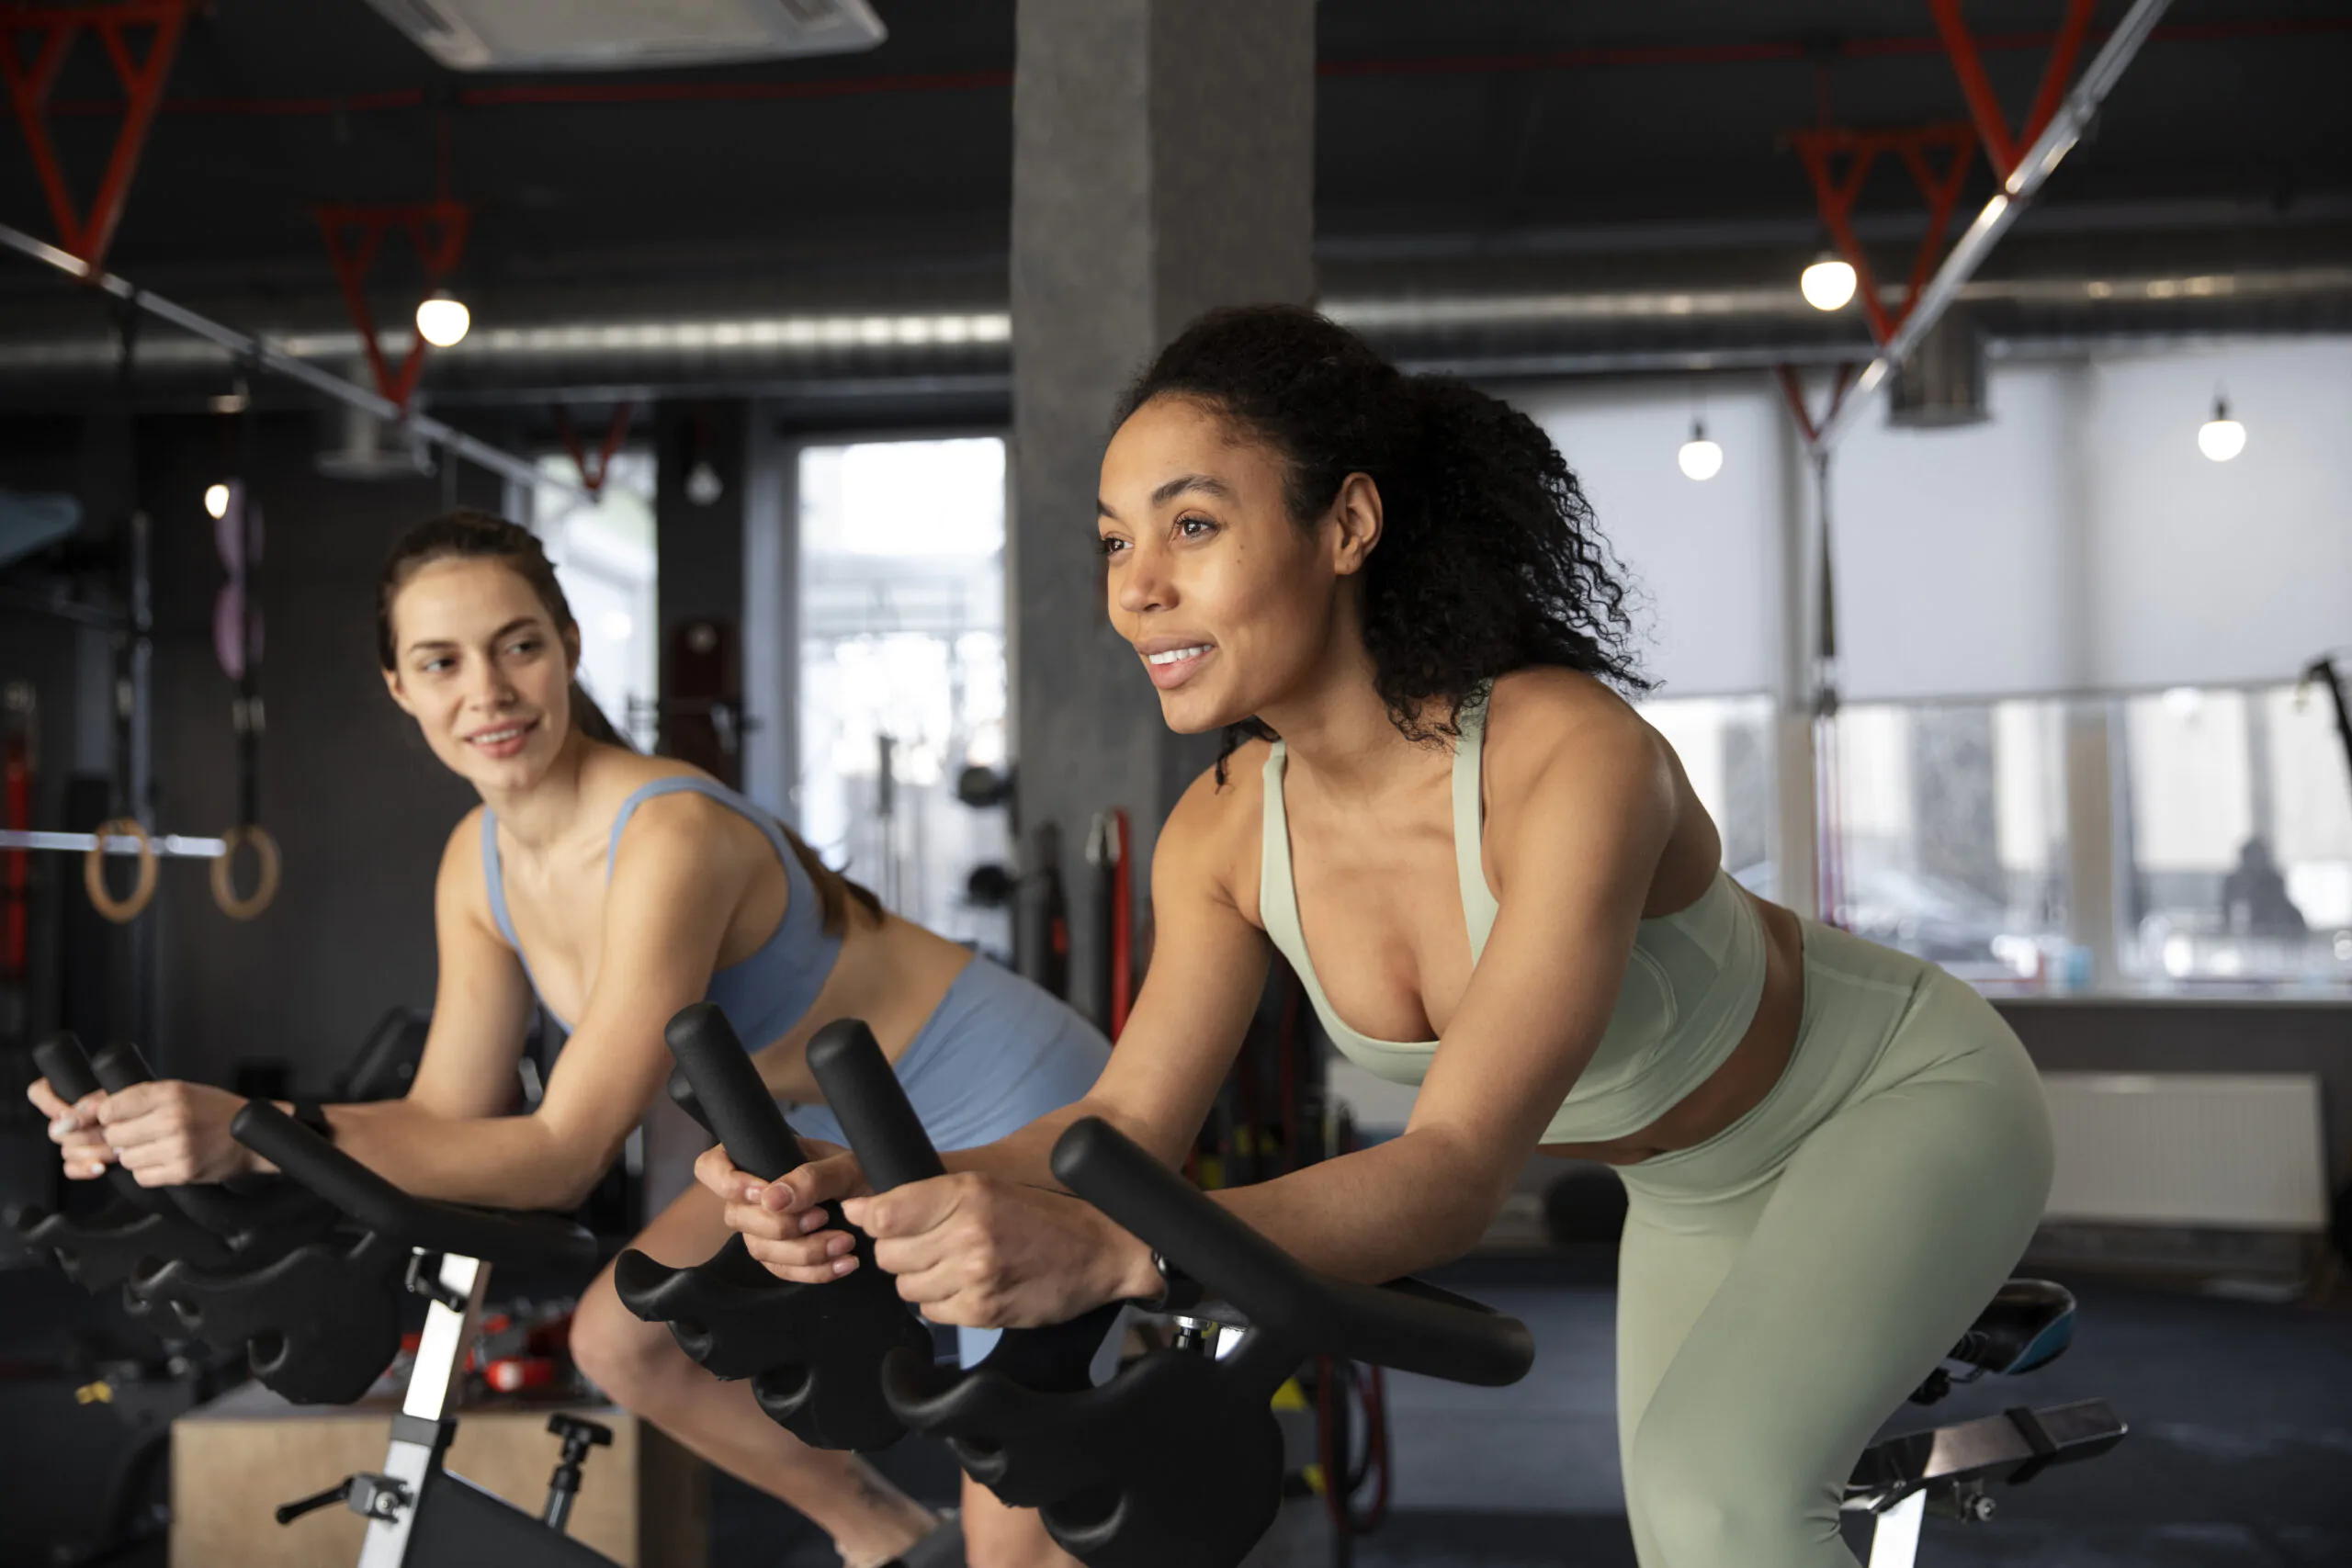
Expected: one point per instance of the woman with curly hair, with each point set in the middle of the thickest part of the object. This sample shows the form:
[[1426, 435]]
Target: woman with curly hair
[[1497, 884]]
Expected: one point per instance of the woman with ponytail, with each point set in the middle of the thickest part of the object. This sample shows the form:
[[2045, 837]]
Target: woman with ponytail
[[614, 889], [1497, 885]]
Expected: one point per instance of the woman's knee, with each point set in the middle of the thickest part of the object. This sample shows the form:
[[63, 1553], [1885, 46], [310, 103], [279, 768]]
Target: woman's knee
[[1704, 1502], [630, 1359], [996, 1535]]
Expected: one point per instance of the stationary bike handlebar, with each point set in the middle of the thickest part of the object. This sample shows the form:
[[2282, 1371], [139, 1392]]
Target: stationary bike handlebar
[[867, 1099], [235, 1216], [1407, 1325], [735, 1105], [62, 1061], [494, 1235]]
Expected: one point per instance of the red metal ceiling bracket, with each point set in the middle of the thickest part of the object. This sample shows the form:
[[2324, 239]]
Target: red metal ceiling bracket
[[1835, 195], [52, 30], [355, 234], [593, 475], [1792, 389], [1992, 124]]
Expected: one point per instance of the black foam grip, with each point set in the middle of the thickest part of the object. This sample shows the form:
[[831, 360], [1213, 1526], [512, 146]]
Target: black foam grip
[[119, 1067], [739, 1108], [494, 1235], [1407, 1324], [682, 1095], [866, 1098], [61, 1061]]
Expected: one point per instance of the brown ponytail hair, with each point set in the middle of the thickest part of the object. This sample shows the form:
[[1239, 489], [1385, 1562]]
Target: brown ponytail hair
[[468, 533]]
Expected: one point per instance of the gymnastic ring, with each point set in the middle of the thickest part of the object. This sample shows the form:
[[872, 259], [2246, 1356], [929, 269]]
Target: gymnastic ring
[[121, 911], [224, 888]]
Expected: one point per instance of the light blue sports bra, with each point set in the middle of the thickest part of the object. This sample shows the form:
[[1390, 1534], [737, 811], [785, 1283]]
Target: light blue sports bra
[[1688, 993], [763, 995]]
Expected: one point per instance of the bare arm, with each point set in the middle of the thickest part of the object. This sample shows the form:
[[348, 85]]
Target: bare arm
[[673, 888], [1578, 857], [1208, 967]]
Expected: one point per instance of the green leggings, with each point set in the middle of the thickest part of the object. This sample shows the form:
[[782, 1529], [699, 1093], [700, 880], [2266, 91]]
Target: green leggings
[[1783, 1286]]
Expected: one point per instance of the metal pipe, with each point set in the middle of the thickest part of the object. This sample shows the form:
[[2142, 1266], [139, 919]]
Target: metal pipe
[[170, 844], [254, 351], [2057, 139]]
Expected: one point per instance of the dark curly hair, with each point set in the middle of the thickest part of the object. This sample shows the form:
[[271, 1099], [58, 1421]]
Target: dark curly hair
[[1488, 559]]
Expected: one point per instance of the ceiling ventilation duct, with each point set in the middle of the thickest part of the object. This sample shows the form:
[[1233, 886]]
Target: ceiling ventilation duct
[[1941, 382], [366, 448], [619, 34]]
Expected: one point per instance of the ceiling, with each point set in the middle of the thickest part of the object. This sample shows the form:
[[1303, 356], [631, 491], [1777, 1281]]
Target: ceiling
[[1482, 149]]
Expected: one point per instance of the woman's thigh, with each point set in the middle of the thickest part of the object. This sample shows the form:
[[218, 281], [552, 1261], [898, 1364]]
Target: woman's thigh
[[1882, 1239]]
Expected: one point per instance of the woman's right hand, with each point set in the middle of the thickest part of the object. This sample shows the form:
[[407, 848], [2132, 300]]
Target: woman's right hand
[[781, 1224], [74, 1129]]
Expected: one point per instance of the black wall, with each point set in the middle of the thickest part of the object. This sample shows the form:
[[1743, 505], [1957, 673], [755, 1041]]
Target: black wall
[[358, 805]]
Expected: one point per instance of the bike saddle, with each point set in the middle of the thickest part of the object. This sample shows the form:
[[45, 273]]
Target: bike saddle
[[2028, 1324], [814, 1353]]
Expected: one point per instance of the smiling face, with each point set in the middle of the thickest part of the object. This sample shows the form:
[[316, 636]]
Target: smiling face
[[482, 666], [1230, 605]]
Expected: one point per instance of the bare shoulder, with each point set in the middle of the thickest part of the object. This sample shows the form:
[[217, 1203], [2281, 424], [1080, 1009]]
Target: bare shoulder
[[1558, 730], [462, 884], [686, 824], [1212, 836]]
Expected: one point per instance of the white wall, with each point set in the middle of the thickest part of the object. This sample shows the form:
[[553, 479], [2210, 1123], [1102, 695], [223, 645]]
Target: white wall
[[1706, 557], [2213, 573], [1954, 570], [2076, 540]]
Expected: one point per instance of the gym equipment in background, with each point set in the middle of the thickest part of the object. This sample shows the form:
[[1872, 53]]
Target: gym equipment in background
[[267, 1273], [418, 1512]]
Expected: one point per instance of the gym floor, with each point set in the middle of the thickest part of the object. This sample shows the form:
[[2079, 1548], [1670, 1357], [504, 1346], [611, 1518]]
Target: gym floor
[[2240, 1446]]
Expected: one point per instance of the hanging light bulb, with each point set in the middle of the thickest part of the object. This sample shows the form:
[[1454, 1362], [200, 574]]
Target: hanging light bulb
[[1699, 458], [216, 502], [442, 319], [2221, 437], [703, 485], [1828, 283]]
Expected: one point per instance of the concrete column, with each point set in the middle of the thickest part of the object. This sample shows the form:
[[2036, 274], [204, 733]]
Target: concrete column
[[1162, 163]]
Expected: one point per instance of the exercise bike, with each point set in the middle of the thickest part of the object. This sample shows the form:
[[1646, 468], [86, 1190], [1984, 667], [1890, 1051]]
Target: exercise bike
[[418, 1512], [1176, 1462], [1946, 1472]]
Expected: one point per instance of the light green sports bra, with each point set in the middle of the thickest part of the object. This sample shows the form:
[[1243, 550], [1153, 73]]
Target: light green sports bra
[[1689, 994]]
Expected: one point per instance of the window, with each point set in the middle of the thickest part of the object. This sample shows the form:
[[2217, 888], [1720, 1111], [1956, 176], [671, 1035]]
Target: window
[[2237, 813], [1947, 834], [1725, 745], [603, 551], [903, 681]]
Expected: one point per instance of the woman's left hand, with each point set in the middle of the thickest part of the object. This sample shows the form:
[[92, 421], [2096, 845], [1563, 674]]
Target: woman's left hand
[[983, 1252], [168, 1133]]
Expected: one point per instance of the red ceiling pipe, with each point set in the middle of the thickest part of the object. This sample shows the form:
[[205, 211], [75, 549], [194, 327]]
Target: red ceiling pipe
[[1968, 64], [30, 86], [437, 229]]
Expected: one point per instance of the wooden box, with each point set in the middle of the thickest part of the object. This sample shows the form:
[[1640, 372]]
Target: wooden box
[[644, 1502]]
